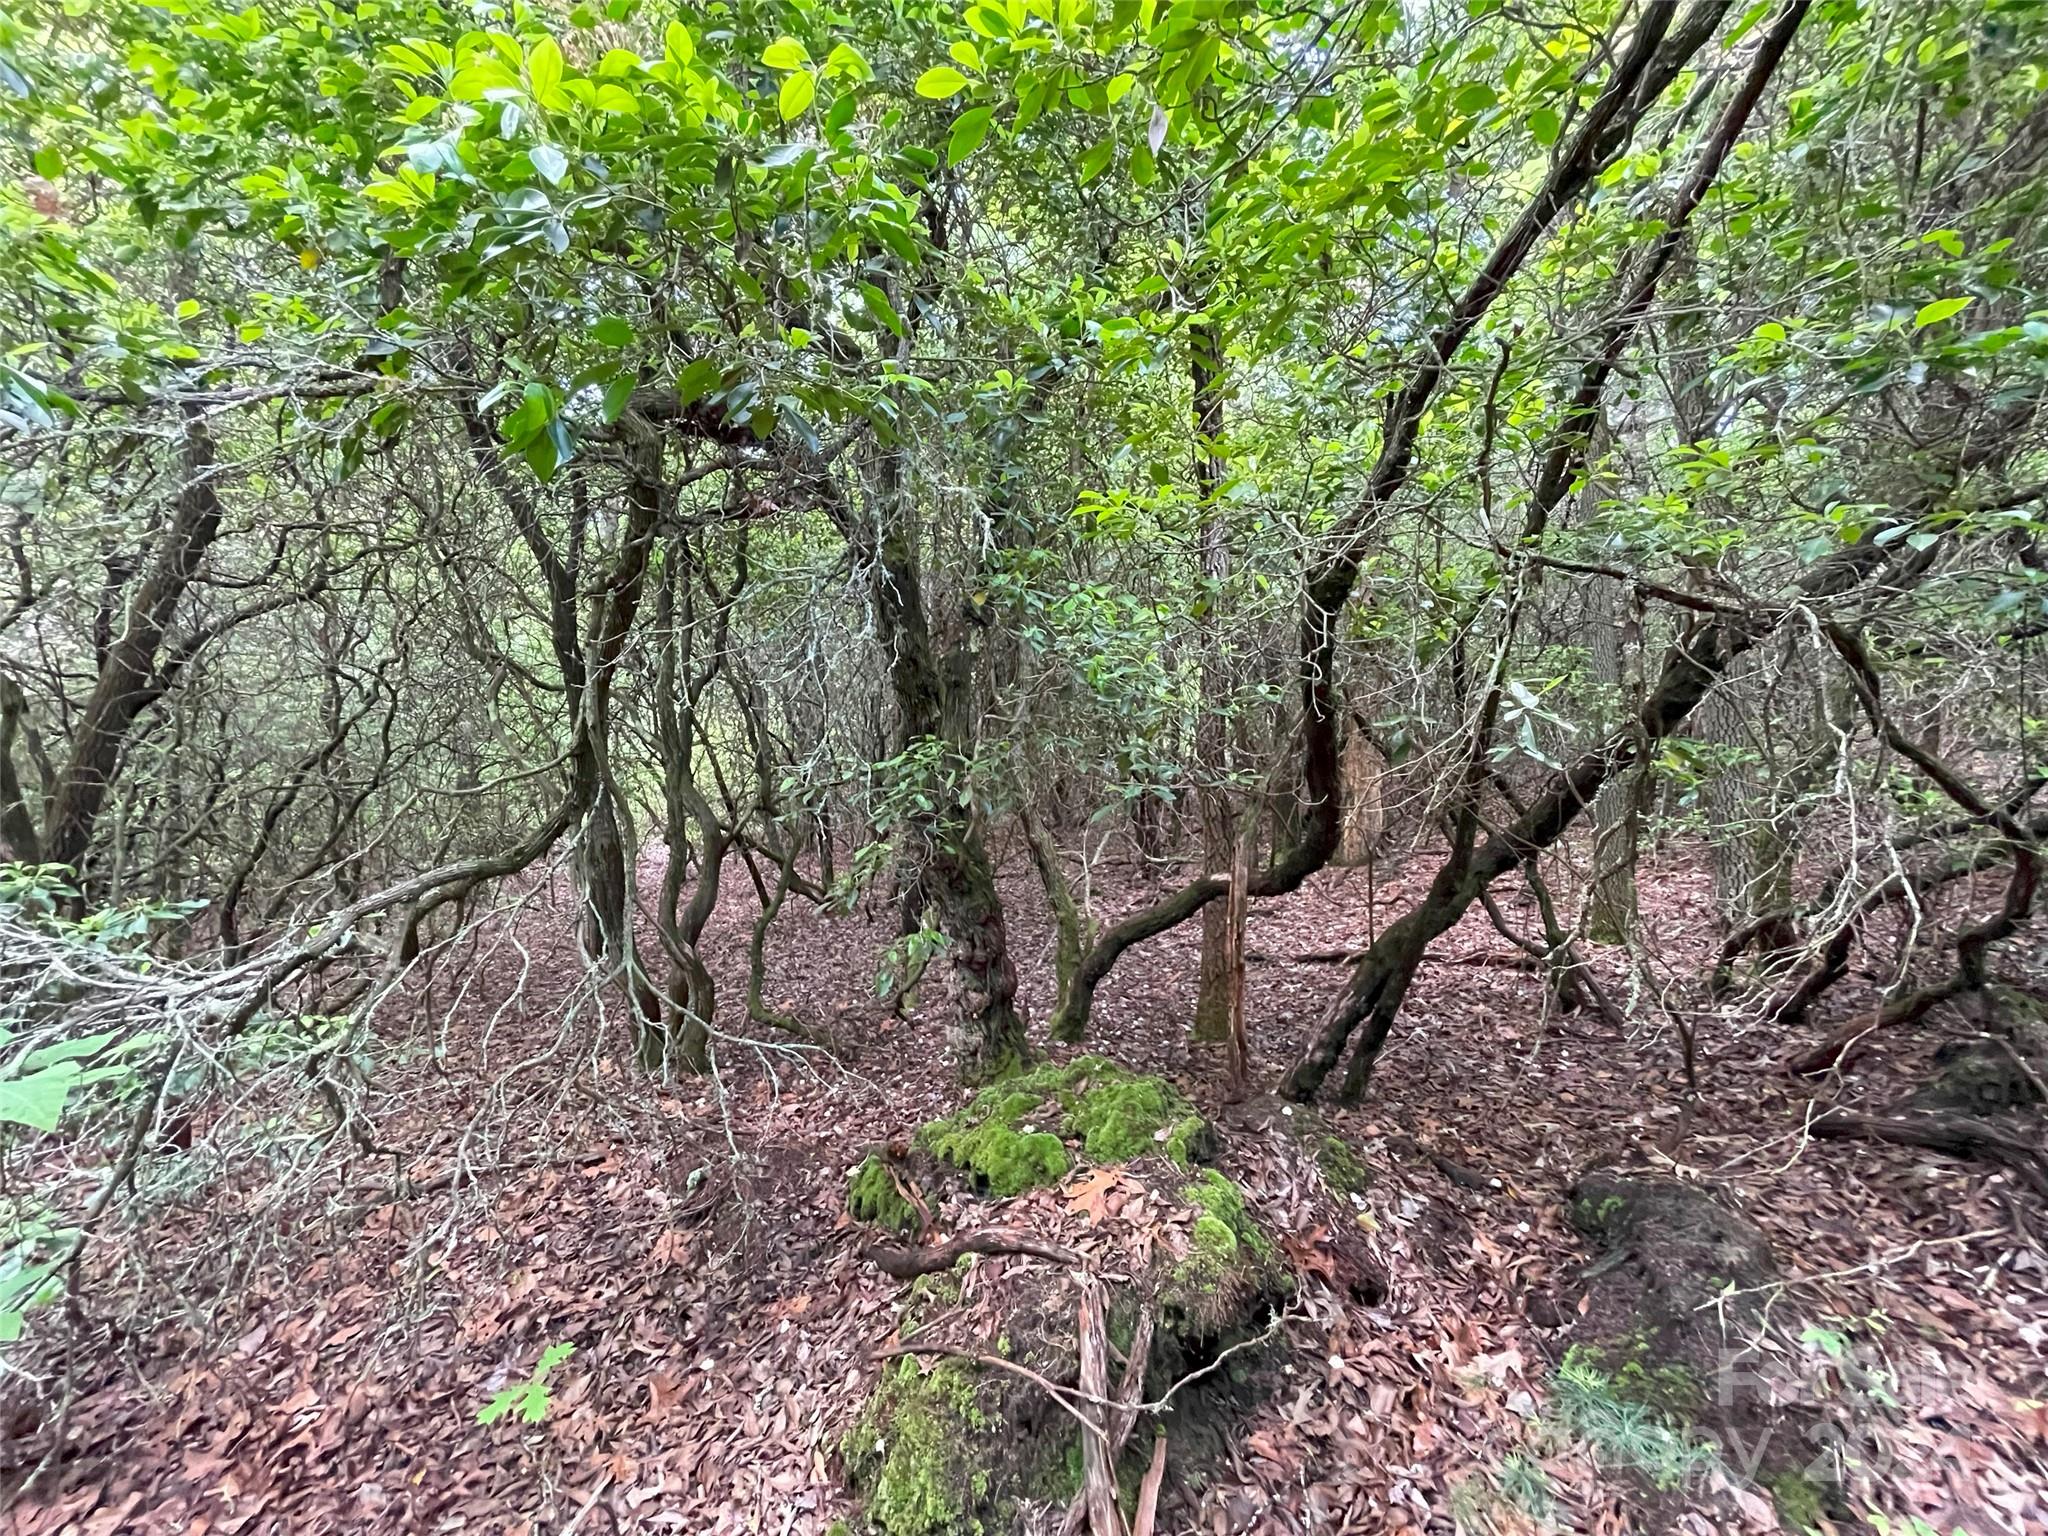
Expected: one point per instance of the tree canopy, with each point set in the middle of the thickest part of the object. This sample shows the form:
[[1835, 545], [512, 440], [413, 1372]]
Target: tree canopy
[[1116, 460]]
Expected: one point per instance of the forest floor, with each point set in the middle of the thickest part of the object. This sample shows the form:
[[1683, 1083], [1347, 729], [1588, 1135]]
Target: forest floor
[[693, 1245]]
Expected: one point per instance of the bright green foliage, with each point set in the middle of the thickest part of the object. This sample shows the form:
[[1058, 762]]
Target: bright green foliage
[[1002, 1138], [528, 1398], [912, 1454]]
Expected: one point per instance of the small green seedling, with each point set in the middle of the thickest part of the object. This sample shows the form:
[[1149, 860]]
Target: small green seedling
[[530, 1396]]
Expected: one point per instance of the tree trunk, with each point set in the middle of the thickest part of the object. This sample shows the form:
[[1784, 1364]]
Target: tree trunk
[[1647, 61], [130, 676], [953, 874], [1212, 747]]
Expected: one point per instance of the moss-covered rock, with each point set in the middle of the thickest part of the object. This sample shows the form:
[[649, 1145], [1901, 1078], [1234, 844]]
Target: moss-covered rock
[[964, 1448], [916, 1455], [872, 1196], [1005, 1139]]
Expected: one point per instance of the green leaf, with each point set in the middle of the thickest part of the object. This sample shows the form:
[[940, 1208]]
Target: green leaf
[[797, 94], [879, 306], [681, 47], [69, 1050], [49, 162], [969, 129], [989, 20], [544, 72], [940, 83], [965, 53], [612, 331], [550, 162], [1096, 160], [37, 1100], [1938, 311], [785, 53], [616, 395], [1473, 99], [1770, 330], [1544, 126]]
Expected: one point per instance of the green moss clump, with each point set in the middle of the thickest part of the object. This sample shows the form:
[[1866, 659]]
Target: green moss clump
[[1221, 1201], [911, 1455], [872, 1196], [1119, 1117], [1114, 1114], [1229, 1263], [1342, 1170], [1800, 1505], [1001, 1160]]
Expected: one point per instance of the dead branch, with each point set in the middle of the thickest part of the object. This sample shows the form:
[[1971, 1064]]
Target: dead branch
[[1098, 1470], [1148, 1491]]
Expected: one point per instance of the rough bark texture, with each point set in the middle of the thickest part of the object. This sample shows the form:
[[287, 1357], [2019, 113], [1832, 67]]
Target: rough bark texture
[[131, 674]]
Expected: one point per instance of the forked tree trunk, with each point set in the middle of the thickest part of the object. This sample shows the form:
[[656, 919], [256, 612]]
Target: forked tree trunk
[[1647, 60], [1702, 653]]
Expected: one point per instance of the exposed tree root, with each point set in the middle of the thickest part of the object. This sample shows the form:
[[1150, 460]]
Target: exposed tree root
[[909, 1263], [1957, 1135]]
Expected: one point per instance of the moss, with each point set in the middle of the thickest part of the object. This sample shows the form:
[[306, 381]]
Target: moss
[[942, 1288], [1214, 1247], [1800, 1504], [1221, 1201], [1634, 1375], [872, 1196], [1119, 1118], [1001, 1160], [1342, 1170], [1595, 1215], [1114, 1114], [1229, 1261], [911, 1455]]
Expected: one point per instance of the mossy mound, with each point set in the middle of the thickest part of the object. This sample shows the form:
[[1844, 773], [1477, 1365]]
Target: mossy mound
[[873, 1197], [1224, 1286], [1664, 1365], [917, 1456], [962, 1447], [1005, 1139]]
